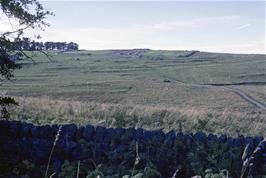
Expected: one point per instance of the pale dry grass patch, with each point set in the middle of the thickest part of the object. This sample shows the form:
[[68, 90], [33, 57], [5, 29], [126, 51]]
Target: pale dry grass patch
[[44, 110], [255, 91]]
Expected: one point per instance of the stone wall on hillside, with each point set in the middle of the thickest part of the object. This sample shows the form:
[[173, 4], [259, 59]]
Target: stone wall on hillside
[[24, 141]]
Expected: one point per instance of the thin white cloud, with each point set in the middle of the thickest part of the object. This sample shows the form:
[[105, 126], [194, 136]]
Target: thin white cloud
[[137, 35], [241, 27], [154, 36], [188, 23], [119, 38], [198, 22], [255, 47]]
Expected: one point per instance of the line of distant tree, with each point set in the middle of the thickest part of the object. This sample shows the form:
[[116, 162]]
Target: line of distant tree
[[26, 44]]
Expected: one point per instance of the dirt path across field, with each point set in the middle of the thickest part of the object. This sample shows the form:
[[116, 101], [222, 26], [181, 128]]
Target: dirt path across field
[[232, 88], [247, 97]]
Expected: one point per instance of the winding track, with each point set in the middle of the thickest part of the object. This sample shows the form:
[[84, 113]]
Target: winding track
[[247, 98], [239, 92]]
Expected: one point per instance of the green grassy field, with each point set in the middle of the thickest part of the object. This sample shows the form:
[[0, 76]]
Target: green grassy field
[[135, 84]]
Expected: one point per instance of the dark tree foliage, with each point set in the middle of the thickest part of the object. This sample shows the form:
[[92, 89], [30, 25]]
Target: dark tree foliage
[[29, 14], [27, 45]]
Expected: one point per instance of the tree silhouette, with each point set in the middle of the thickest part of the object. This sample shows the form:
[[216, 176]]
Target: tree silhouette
[[29, 14], [25, 44]]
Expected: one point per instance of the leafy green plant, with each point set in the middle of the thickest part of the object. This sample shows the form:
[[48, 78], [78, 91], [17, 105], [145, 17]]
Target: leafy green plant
[[148, 172], [120, 119], [222, 174], [68, 170], [97, 173], [201, 125]]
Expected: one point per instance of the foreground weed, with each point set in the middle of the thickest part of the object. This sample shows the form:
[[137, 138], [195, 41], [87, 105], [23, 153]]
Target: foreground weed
[[52, 150]]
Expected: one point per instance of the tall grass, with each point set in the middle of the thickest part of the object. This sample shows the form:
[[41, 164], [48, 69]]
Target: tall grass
[[248, 158], [52, 150], [230, 121]]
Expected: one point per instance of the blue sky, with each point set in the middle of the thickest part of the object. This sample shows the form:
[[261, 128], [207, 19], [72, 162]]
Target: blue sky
[[237, 27]]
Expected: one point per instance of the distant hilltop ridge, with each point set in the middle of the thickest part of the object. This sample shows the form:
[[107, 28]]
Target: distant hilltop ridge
[[126, 51], [27, 45], [129, 52], [141, 51]]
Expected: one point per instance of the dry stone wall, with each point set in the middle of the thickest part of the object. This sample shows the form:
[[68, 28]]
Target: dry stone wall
[[115, 146]]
